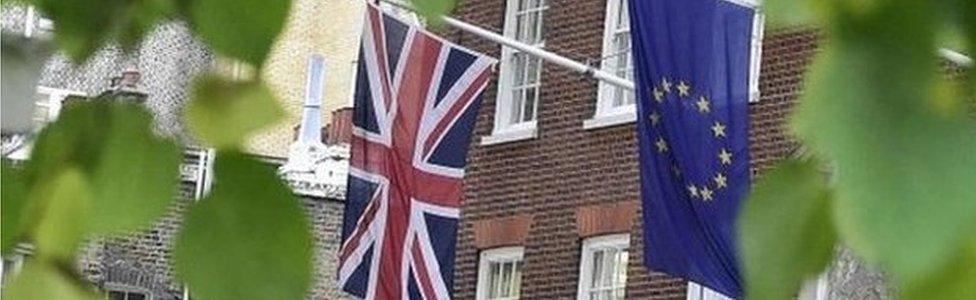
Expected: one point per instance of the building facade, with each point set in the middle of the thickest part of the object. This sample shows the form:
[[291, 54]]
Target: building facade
[[138, 266], [551, 208], [330, 28]]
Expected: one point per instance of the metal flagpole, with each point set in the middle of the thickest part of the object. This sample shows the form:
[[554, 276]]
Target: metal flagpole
[[588, 70], [532, 50]]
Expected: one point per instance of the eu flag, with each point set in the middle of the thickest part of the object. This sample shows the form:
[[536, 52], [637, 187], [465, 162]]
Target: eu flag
[[692, 62]]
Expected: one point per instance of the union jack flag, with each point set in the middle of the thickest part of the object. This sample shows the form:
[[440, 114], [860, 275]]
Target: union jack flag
[[416, 100]]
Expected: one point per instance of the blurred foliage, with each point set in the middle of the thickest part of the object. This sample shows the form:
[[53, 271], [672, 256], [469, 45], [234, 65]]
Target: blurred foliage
[[899, 139], [223, 112], [791, 208], [130, 172], [13, 197], [44, 280], [100, 170], [249, 232]]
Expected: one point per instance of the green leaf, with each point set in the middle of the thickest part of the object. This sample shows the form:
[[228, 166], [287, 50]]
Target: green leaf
[[786, 232], [954, 280], [84, 26], [41, 280], [133, 173], [249, 239], [904, 168], [790, 12], [242, 29], [432, 10], [139, 18], [14, 199], [223, 113], [80, 25], [63, 205]]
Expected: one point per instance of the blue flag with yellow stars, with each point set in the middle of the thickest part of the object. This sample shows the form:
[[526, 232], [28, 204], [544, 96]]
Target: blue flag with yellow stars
[[692, 64]]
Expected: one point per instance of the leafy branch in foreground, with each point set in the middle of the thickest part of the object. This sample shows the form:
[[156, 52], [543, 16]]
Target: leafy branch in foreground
[[99, 170], [900, 145]]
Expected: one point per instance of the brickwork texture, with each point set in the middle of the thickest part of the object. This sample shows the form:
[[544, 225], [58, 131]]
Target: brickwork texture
[[567, 167]]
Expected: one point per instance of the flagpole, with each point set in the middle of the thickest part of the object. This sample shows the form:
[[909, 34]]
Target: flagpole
[[532, 50]]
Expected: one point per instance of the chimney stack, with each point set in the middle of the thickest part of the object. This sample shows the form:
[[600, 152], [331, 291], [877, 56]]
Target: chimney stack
[[339, 130], [125, 88]]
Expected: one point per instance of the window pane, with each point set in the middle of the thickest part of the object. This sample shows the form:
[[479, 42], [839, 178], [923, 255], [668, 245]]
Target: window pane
[[623, 18], [531, 28], [519, 66], [506, 280], [538, 30], [517, 284], [530, 100], [137, 296], [493, 275], [597, 269], [518, 96], [622, 268], [533, 70], [116, 295]]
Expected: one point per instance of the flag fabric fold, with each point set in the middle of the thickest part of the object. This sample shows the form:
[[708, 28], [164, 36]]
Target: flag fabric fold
[[416, 100], [692, 68]]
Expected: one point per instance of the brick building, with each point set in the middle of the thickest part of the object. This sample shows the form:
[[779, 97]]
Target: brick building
[[551, 208]]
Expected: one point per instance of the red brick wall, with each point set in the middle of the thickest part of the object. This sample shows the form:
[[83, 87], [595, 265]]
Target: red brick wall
[[550, 177]]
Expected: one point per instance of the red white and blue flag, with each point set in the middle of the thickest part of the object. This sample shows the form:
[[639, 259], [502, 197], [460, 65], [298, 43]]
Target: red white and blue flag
[[416, 100]]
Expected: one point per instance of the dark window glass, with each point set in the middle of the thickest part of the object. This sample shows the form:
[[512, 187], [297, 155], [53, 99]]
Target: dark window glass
[[115, 295]]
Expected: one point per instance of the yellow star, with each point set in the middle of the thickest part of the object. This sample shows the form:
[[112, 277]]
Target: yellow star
[[662, 145], [703, 105], [718, 129], [655, 118], [666, 85], [683, 89], [720, 181], [693, 190], [658, 95], [706, 193], [725, 156]]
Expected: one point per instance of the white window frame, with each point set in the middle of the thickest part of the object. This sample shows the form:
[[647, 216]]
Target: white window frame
[[590, 246], [700, 292], [35, 24], [503, 131], [814, 289], [494, 255], [121, 288], [606, 113]]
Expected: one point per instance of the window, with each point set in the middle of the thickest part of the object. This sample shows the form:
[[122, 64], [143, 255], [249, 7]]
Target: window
[[124, 292], [699, 292], [125, 295], [500, 274], [603, 267], [615, 105], [519, 80]]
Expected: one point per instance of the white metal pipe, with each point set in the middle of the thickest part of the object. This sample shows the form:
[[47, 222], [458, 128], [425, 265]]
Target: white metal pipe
[[533, 50]]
